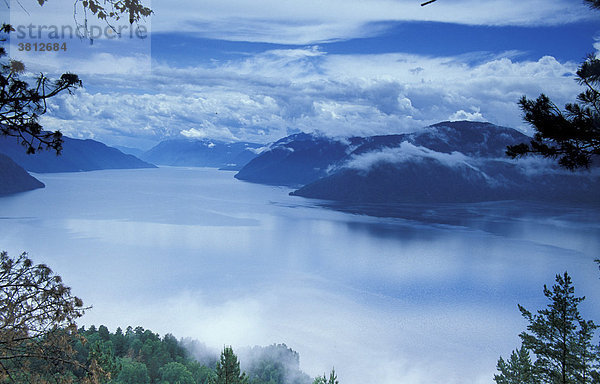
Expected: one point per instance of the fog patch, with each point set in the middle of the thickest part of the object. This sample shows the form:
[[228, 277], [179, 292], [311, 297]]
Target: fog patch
[[258, 151], [538, 165], [276, 360], [405, 152], [200, 352], [209, 130]]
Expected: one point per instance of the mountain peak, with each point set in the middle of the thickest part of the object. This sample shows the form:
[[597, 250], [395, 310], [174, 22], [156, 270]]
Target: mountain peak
[[447, 161], [202, 152], [463, 123]]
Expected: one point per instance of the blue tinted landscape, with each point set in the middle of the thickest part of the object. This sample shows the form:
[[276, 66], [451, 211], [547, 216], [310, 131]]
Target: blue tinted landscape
[[193, 251], [315, 193]]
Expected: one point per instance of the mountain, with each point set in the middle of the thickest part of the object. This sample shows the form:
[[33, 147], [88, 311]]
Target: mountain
[[296, 160], [470, 138], [303, 158], [77, 155], [130, 151], [447, 162], [432, 181], [202, 153], [409, 181], [14, 179], [474, 139]]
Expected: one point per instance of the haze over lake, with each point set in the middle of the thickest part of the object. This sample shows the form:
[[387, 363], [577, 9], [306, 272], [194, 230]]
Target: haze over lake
[[428, 298]]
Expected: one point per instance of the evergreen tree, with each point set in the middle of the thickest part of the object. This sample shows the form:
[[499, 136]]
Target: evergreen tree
[[228, 369], [560, 338], [133, 372], [101, 354], [38, 333], [119, 341], [593, 3], [173, 348], [572, 135], [517, 370], [103, 333], [201, 373], [323, 379], [175, 373], [22, 103], [586, 354]]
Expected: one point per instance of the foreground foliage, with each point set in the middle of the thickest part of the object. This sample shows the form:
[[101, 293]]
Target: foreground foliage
[[323, 379], [560, 341], [23, 101], [572, 135], [37, 325], [228, 369], [139, 356], [40, 343], [37, 318]]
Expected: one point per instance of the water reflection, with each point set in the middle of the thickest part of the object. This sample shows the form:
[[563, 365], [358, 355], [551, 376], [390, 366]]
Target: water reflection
[[426, 297]]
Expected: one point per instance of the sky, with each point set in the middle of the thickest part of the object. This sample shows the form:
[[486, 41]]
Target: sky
[[260, 70]]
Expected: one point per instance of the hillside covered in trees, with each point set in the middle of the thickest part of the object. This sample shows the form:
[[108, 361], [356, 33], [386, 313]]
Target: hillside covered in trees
[[140, 356]]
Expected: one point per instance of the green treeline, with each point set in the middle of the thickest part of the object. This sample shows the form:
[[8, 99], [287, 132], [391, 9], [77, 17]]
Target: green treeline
[[40, 343], [140, 356]]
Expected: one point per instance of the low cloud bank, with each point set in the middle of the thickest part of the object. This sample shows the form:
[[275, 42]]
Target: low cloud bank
[[405, 152]]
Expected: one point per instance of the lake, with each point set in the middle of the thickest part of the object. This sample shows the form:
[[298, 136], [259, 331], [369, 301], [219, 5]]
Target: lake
[[428, 297]]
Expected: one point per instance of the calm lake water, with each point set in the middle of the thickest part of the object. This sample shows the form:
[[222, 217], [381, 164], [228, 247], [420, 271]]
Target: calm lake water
[[427, 298]]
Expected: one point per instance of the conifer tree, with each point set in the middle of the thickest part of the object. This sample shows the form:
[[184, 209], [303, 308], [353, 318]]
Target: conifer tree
[[593, 3], [572, 135], [518, 370], [23, 102], [37, 325], [228, 369], [323, 379], [560, 338]]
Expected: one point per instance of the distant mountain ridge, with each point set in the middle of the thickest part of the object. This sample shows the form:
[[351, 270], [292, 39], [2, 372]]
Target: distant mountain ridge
[[470, 138], [202, 153], [446, 162], [77, 155], [430, 181], [303, 158], [296, 160]]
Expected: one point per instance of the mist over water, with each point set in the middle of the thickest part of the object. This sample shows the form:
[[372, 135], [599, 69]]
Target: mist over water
[[427, 298]]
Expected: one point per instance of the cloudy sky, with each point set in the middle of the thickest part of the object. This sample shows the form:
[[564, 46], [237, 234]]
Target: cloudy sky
[[260, 70]]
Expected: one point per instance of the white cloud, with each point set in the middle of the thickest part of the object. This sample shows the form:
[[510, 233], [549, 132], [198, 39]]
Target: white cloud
[[130, 100], [265, 96], [469, 116], [317, 21], [96, 63], [259, 150], [209, 130], [405, 152], [311, 21], [327, 328]]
